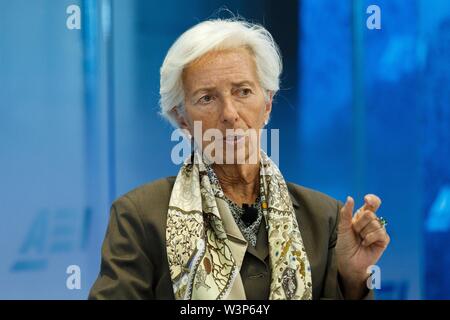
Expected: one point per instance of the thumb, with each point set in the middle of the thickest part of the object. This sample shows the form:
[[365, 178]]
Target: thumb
[[346, 214]]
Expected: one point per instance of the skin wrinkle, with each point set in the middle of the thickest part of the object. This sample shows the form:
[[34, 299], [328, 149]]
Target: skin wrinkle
[[235, 100]]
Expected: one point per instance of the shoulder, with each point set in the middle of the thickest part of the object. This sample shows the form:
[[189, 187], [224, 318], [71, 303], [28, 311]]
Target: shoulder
[[148, 202], [314, 207], [152, 192], [311, 198]]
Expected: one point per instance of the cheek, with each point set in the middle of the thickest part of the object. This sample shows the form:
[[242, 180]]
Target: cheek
[[205, 115], [255, 114]]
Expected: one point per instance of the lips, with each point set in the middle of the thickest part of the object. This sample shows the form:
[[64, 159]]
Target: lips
[[233, 139]]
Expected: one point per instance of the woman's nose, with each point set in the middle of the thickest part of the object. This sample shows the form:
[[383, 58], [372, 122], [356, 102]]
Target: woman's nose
[[229, 111]]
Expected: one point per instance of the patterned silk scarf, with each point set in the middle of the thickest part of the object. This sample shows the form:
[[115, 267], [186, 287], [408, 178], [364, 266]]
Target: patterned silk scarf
[[200, 260]]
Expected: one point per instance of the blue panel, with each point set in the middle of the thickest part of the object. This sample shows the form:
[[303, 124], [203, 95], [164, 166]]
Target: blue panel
[[325, 90], [375, 119]]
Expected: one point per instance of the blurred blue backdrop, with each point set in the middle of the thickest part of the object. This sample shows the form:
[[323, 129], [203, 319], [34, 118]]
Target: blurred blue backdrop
[[359, 111]]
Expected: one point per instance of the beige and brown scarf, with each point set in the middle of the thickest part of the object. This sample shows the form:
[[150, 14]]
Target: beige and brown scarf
[[200, 259]]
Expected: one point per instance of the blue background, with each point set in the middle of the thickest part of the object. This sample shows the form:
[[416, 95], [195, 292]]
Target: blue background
[[360, 111]]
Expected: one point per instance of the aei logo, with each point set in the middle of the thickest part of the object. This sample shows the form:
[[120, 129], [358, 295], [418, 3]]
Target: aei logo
[[51, 233]]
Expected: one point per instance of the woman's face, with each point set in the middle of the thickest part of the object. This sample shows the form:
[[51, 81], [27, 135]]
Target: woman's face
[[222, 91]]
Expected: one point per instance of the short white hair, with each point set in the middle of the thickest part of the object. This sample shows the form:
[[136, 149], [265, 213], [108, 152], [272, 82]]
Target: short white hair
[[217, 34]]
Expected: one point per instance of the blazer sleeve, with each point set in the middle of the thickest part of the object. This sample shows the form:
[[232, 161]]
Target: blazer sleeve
[[332, 287], [125, 271]]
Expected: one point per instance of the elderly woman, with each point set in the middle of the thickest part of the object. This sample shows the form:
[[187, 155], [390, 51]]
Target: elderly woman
[[221, 230]]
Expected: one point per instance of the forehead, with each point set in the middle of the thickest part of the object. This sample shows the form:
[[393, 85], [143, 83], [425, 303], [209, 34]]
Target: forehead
[[216, 67]]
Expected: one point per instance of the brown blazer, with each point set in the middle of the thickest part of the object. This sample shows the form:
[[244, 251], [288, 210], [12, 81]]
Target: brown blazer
[[134, 261]]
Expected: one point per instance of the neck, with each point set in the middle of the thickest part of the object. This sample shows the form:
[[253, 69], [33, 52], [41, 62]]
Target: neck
[[239, 182]]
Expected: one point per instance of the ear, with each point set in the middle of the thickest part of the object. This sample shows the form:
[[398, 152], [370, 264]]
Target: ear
[[268, 105], [180, 118]]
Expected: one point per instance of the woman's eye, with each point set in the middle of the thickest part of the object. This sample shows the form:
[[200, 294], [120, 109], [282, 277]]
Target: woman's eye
[[244, 92], [205, 99]]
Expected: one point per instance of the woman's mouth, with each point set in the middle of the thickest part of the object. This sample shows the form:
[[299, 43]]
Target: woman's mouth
[[234, 139]]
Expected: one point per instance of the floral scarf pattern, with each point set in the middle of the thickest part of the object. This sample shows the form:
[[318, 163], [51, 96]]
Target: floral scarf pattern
[[200, 259]]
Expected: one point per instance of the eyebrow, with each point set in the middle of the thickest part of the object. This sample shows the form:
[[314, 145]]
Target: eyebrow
[[234, 84], [202, 89], [241, 83]]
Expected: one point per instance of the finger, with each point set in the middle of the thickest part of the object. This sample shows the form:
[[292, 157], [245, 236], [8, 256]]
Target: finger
[[372, 226], [371, 202], [358, 214], [379, 236], [363, 220], [345, 215]]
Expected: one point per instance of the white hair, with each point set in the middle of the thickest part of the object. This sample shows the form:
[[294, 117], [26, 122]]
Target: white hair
[[217, 34]]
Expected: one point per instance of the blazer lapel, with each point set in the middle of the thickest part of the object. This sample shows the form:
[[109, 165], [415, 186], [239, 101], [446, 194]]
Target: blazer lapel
[[261, 251], [238, 246]]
